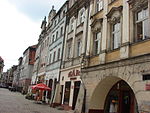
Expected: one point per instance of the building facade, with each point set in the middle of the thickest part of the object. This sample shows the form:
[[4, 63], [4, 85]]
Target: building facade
[[56, 32], [115, 71], [16, 77], [27, 68], [74, 50]]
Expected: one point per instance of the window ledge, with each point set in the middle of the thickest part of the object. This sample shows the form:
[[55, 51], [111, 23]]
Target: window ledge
[[113, 50], [94, 56], [140, 41]]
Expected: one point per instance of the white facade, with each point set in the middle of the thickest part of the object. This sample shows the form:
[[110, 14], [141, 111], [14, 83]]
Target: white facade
[[56, 34]]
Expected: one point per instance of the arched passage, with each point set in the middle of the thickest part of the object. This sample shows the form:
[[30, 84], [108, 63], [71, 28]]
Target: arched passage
[[105, 91]]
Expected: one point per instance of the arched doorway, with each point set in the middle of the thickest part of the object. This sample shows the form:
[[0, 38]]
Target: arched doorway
[[120, 99], [112, 89]]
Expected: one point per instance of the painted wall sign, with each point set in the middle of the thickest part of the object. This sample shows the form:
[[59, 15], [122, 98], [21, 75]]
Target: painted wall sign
[[74, 73]]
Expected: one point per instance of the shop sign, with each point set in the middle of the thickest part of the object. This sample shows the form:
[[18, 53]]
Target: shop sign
[[74, 73], [147, 87]]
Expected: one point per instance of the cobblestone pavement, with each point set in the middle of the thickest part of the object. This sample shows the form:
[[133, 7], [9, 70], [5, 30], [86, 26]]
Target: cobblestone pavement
[[14, 102]]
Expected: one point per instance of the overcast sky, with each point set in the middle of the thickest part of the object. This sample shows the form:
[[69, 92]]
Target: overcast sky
[[20, 22]]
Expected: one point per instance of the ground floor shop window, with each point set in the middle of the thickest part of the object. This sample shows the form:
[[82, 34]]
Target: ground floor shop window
[[67, 93], [76, 92]]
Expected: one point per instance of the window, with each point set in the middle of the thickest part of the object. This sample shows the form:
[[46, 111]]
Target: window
[[55, 22], [56, 35], [54, 56], [53, 38], [58, 55], [116, 35], [71, 24], [78, 47], [69, 49], [61, 31], [50, 56], [81, 16], [97, 43], [99, 5], [142, 25], [63, 14]]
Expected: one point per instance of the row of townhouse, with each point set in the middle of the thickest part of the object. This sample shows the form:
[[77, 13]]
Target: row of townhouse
[[19, 76], [94, 54]]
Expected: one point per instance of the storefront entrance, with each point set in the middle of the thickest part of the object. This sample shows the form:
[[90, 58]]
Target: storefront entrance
[[75, 94], [120, 99]]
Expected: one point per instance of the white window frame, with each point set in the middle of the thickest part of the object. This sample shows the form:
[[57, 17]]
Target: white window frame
[[141, 17], [99, 5], [97, 40], [71, 24], [50, 58], [116, 35], [69, 47], [81, 16], [79, 44]]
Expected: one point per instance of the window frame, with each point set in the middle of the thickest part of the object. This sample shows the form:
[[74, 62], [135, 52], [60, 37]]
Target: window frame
[[81, 16], [58, 54], [61, 31], [57, 35], [54, 55], [99, 5], [115, 33], [78, 48], [50, 58], [141, 21], [69, 47], [97, 40], [71, 24]]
